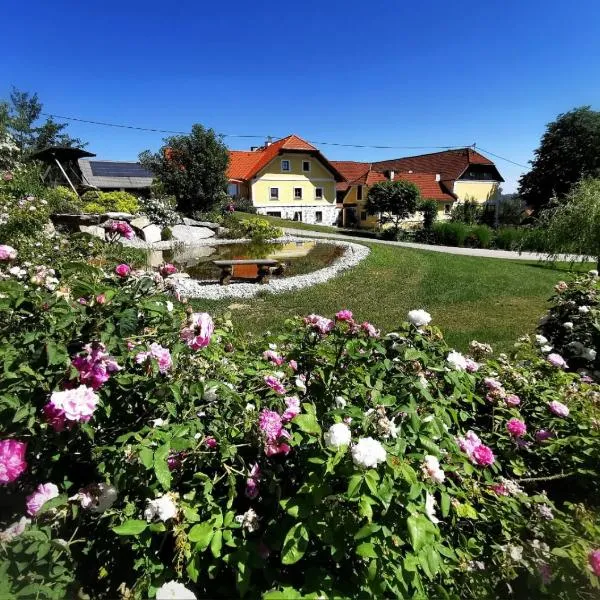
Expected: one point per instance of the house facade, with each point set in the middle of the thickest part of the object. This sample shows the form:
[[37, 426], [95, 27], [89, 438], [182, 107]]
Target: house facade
[[288, 178], [446, 177]]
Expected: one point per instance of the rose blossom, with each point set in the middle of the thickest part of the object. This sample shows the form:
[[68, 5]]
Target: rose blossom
[[561, 286], [457, 361], [321, 324], [254, 476], [158, 353], [94, 365], [344, 315], [163, 508], [41, 495], [594, 561], [483, 456], [14, 530], [584, 310], [477, 452], [368, 453], [275, 384], [512, 400], [471, 366], [12, 460], [430, 503], [293, 365], [431, 468], [419, 317], [122, 270], [271, 425], [293, 408], [492, 384], [73, 406], [173, 590], [199, 331], [516, 427], [558, 408], [167, 269], [556, 360], [273, 357], [7, 252], [337, 436], [369, 329]]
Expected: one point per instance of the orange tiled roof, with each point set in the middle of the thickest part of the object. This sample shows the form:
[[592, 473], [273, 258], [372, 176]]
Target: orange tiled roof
[[428, 186], [450, 164], [245, 165]]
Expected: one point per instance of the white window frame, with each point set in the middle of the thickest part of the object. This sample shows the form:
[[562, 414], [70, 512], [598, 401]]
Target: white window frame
[[306, 162], [276, 196], [296, 197], [289, 164], [317, 197]]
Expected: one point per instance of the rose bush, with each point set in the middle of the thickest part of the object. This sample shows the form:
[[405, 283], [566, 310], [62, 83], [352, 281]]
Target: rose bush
[[149, 451]]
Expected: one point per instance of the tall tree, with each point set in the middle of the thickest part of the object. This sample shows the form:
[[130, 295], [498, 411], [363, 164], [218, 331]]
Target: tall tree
[[22, 115], [394, 201], [191, 168], [568, 151], [573, 226]]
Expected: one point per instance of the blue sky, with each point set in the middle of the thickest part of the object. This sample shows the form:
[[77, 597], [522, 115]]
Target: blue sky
[[428, 73]]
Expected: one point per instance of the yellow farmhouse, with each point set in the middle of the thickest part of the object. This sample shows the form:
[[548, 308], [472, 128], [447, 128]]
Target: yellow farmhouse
[[288, 178]]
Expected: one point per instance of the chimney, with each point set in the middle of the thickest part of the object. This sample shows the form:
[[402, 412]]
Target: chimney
[[269, 141], [437, 177], [392, 174], [253, 148]]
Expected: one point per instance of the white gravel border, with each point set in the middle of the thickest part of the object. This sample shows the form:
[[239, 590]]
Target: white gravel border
[[192, 288]]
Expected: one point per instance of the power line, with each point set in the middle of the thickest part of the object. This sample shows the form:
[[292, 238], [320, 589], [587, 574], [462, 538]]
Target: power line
[[262, 136]]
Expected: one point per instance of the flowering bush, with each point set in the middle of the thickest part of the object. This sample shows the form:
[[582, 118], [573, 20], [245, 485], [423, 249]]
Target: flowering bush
[[160, 210], [147, 450], [254, 228], [570, 327]]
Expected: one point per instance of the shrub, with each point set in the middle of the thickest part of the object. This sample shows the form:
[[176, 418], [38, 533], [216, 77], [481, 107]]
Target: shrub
[[21, 217], [254, 228], [468, 212], [327, 461], [510, 238], [160, 210], [450, 233], [244, 205], [166, 234], [95, 201], [62, 200], [480, 236]]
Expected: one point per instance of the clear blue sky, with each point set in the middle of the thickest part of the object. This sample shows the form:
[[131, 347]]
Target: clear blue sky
[[427, 73]]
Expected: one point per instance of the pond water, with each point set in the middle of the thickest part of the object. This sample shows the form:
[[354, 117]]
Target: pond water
[[298, 258]]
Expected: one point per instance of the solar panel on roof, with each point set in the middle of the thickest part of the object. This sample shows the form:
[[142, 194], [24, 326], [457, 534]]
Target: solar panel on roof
[[118, 169]]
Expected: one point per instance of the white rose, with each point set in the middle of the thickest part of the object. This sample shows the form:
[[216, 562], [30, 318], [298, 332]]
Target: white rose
[[340, 402], [584, 310], [162, 508], [210, 394], [172, 590], [431, 469], [588, 354], [541, 340], [158, 422], [14, 530], [338, 435], [368, 452], [457, 361], [545, 349], [430, 508], [568, 325], [419, 317]]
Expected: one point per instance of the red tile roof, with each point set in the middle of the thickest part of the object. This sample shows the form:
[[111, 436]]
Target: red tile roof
[[450, 164], [428, 186], [245, 165]]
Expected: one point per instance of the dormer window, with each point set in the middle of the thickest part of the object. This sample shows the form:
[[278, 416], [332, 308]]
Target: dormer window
[[306, 166], [285, 166]]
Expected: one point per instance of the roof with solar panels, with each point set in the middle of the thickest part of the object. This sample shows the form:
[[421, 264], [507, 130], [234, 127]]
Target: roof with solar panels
[[110, 174]]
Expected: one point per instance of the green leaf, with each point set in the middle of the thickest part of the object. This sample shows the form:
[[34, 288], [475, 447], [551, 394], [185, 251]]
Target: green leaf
[[308, 424], [560, 552], [201, 534], [420, 530], [294, 544], [367, 530], [364, 508], [53, 503], [354, 485], [366, 550], [128, 322], [147, 457], [130, 527], [161, 468], [445, 504], [57, 355], [216, 543]]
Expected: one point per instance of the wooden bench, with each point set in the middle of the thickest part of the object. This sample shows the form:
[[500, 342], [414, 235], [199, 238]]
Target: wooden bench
[[264, 268]]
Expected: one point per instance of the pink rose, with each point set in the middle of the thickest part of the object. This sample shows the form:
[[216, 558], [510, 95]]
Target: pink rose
[[12, 460], [516, 428], [321, 324], [512, 400], [556, 360], [594, 561], [210, 442], [73, 406], [483, 456], [198, 332], [344, 315], [558, 408], [472, 366], [293, 408], [94, 365], [275, 384], [101, 299], [158, 353], [273, 357], [369, 329], [293, 365], [7, 252], [41, 495], [167, 269], [500, 489], [122, 270], [492, 384]]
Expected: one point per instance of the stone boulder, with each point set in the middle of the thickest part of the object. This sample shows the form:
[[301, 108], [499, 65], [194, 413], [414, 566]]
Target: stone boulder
[[140, 222], [118, 216], [94, 230], [190, 234], [194, 223], [151, 234]]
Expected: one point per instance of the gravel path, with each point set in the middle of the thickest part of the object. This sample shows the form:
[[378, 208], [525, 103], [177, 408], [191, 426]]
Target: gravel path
[[480, 252]]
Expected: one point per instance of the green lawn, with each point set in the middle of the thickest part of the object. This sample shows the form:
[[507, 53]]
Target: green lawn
[[283, 223], [490, 300]]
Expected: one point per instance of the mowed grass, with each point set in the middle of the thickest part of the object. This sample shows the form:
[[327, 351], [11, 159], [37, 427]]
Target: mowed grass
[[490, 300], [287, 223]]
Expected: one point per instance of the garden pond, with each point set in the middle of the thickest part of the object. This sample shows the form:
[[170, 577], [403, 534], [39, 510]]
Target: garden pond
[[298, 258]]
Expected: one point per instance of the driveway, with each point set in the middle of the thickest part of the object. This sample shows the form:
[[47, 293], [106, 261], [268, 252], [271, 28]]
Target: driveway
[[481, 252]]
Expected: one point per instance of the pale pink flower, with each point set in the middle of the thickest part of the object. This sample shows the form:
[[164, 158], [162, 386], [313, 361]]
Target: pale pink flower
[[270, 423], [123, 270], [516, 427], [468, 443], [321, 324], [101, 299], [41, 495], [561, 287], [71, 406], [252, 487], [492, 384], [167, 269], [273, 357], [275, 384], [594, 561], [293, 365], [14, 530], [158, 353], [556, 360], [344, 315], [472, 366], [293, 408], [500, 489], [558, 408], [477, 452], [369, 329], [199, 331], [12, 460], [7, 252], [512, 400], [95, 365]]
